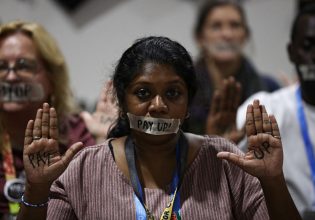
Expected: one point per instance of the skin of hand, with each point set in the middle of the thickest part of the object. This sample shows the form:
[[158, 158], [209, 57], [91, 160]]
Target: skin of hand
[[264, 158], [42, 160], [221, 119], [105, 115]]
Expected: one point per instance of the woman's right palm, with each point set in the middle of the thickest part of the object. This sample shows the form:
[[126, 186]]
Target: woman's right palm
[[42, 160]]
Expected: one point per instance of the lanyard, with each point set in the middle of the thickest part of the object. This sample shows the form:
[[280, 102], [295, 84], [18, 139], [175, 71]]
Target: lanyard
[[172, 211], [9, 169], [306, 138]]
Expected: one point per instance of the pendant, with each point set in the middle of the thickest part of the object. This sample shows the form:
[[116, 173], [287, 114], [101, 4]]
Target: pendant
[[14, 189], [149, 215]]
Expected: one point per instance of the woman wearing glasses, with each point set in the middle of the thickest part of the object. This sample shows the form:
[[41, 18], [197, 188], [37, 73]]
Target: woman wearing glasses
[[32, 71]]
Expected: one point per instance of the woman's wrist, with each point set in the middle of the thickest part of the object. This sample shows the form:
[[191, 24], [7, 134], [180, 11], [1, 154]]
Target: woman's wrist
[[36, 193], [272, 181]]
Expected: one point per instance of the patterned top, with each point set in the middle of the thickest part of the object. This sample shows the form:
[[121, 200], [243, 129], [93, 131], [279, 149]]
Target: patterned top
[[93, 187]]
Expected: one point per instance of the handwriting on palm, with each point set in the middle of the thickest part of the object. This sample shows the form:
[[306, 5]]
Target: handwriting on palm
[[105, 114], [42, 160], [264, 157], [222, 115]]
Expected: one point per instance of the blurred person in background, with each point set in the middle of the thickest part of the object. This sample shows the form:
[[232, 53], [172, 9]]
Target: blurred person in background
[[225, 75], [32, 71], [294, 108]]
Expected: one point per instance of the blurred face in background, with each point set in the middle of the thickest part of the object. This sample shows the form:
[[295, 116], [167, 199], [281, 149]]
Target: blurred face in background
[[302, 54], [302, 49], [223, 34], [20, 64]]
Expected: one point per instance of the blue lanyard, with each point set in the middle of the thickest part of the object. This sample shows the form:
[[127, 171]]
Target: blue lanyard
[[142, 212], [306, 138]]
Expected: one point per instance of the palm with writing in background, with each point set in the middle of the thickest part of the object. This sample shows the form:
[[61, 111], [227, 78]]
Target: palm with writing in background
[[42, 160], [264, 157], [105, 115]]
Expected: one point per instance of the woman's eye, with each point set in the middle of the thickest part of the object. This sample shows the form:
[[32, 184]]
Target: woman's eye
[[143, 93], [26, 65], [172, 93], [215, 26], [307, 45], [236, 25], [3, 66]]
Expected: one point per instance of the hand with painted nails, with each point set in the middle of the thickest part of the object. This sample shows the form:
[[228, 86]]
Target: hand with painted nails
[[221, 119], [42, 160], [105, 115], [264, 157]]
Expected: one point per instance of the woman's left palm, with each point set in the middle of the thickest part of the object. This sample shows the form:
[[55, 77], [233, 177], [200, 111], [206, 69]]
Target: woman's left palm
[[264, 156]]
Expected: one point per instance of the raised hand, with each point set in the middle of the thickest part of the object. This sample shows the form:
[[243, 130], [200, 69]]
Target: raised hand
[[222, 116], [105, 115], [264, 157], [42, 160]]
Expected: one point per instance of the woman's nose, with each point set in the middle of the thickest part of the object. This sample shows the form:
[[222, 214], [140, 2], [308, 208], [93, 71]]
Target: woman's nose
[[227, 32], [11, 76], [158, 105]]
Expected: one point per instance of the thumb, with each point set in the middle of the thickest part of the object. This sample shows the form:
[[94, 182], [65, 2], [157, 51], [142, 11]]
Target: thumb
[[86, 116], [233, 158], [70, 153]]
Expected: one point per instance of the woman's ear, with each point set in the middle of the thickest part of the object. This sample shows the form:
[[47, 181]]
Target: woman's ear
[[199, 41], [248, 33], [187, 115], [291, 52]]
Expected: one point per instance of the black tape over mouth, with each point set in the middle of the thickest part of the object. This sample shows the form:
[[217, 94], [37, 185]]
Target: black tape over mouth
[[21, 92]]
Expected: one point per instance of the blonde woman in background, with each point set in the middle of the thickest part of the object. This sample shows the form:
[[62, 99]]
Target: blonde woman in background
[[32, 71]]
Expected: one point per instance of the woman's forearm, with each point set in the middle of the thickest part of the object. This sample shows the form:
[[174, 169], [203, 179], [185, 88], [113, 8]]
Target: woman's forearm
[[278, 199]]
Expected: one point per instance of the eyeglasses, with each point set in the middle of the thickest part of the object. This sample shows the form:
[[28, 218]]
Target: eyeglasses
[[23, 67]]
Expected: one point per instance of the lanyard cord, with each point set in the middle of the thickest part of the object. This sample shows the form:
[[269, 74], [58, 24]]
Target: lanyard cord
[[9, 169], [306, 138], [181, 158]]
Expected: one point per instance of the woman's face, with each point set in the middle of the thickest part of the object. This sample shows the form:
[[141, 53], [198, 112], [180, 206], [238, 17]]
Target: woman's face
[[157, 92], [19, 52], [223, 34]]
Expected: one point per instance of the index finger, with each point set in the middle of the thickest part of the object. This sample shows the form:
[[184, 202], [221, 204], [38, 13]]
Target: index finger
[[28, 133], [274, 127]]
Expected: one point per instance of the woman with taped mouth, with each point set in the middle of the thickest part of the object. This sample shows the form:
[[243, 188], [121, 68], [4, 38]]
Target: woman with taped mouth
[[149, 168], [32, 71], [223, 70]]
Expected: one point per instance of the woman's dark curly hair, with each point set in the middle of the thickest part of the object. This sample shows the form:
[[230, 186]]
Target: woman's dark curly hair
[[159, 50]]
